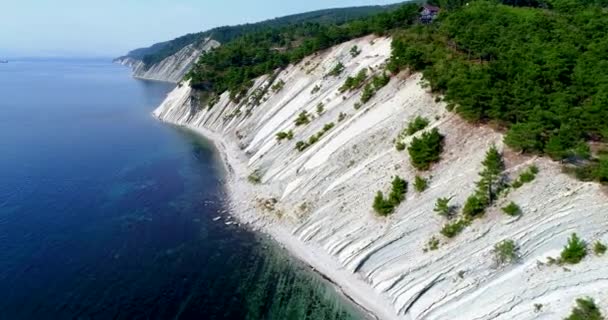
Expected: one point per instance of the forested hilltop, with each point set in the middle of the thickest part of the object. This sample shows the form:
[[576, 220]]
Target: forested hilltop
[[540, 72], [538, 69], [162, 50]]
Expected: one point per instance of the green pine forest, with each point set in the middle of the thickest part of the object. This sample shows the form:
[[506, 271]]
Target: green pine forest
[[537, 70]]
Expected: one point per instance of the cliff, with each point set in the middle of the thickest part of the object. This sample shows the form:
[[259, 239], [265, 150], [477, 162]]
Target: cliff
[[172, 68], [318, 202]]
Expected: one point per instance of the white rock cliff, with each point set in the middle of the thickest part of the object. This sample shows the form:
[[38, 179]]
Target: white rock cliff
[[172, 68], [323, 210]]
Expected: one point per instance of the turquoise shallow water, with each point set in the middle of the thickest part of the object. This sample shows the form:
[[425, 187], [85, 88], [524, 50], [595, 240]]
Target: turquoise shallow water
[[106, 213]]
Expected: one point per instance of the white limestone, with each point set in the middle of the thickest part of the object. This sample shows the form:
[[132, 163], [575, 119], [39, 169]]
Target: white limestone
[[324, 211]]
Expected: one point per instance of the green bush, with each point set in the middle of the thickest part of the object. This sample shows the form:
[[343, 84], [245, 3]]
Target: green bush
[[341, 116], [320, 108], [385, 207], [443, 207], [574, 251], [525, 177], [426, 150], [379, 81], [355, 51], [337, 70], [398, 191], [284, 135], [512, 209], [599, 248], [255, 177], [278, 86], [381, 206], [474, 207], [418, 124], [302, 119], [400, 146], [506, 252], [316, 89], [368, 93], [420, 183], [352, 83], [585, 310], [452, 229], [301, 146], [432, 244]]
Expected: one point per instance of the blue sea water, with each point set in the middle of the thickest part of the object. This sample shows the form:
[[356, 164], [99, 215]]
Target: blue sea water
[[106, 213]]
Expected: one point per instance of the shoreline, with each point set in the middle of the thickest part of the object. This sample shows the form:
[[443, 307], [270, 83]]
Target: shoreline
[[239, 192]]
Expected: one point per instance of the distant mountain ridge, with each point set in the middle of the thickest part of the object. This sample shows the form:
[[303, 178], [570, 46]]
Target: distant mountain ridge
[[158, 52]]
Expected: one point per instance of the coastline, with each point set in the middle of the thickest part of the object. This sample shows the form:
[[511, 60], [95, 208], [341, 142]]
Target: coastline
[[241, 195]]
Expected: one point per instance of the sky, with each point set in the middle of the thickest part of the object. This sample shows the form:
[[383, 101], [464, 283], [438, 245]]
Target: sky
[[109, 28]]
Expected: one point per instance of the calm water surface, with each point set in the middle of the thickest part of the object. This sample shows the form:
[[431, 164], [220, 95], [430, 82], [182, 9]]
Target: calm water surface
[[106, 213]]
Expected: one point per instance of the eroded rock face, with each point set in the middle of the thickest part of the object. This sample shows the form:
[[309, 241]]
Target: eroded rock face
[[338, 176], [173, 68]]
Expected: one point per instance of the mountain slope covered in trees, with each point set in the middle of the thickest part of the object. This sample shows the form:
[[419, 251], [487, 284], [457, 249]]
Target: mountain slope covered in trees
[[162, 50], [540, 73]]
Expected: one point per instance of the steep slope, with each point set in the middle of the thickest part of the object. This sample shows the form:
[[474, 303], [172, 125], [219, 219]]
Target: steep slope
[[171, 69], [318, 202]]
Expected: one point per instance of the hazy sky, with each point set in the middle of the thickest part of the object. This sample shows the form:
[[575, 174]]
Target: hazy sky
[[113, 27]]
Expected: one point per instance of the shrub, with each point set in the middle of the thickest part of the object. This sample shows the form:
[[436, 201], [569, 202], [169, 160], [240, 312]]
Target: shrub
[[506, 252], [337, 70], [316, 89], [320, 108], [284, 135], [452, 229], [386, 206], [400, 146], [398, 191], [585, 310], [379, 81], [418, 124], [433, 243], [328, 126], [352, 83], [574, 251], [355, 51], [525, 177], [443, 208], [255, 177], [473, 207], [357, 105], [426, 150], [278, 86], [599, 248], [512, 209], [341, 116], [301, 146], [420, 184], [368, 93], [382, 206], [302, 119]]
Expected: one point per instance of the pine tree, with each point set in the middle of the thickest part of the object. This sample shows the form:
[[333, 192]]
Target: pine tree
[[491, 177], [575, 251]]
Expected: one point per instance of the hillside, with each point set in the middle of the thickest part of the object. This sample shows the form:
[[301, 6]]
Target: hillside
[[160, 51], [318, 201], [433, 171]]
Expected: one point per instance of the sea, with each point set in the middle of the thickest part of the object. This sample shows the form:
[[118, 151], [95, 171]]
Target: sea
[[106, 213]]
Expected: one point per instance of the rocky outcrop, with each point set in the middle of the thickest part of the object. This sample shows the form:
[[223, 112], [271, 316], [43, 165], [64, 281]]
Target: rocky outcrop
[[172, 68], [324, 196]]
